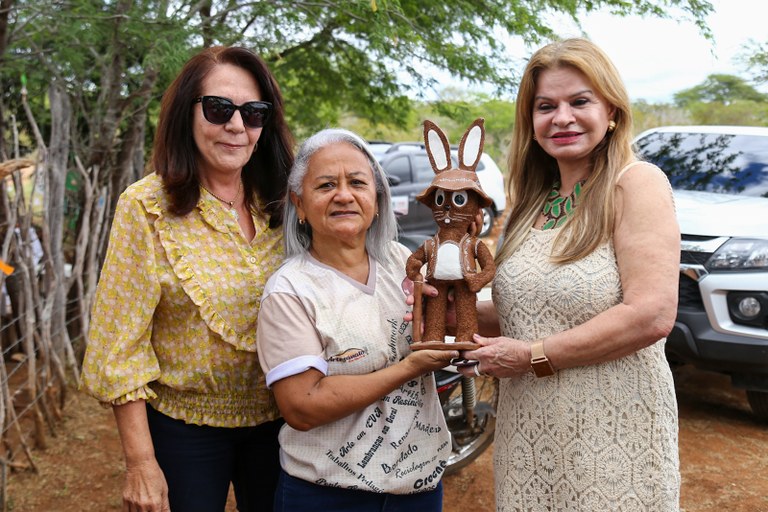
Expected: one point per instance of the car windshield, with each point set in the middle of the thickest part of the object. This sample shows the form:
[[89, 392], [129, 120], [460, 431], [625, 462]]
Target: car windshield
[[712, 162]]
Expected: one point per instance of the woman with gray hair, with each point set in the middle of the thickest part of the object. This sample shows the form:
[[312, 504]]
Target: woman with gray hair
[[364, 430], [298, 234]]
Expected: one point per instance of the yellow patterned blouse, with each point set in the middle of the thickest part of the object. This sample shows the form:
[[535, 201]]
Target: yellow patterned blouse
[[174, 321]]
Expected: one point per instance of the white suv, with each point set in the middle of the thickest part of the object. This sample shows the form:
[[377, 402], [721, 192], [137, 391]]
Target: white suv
[[492, 181], [720, 178]]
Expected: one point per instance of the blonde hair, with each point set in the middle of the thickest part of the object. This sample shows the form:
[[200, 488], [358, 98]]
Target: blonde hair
[[532, 171]]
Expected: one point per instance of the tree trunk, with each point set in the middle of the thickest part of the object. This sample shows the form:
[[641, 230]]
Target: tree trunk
[[58, 158]]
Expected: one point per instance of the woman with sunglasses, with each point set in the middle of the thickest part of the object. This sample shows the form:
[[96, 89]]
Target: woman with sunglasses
[[172, 343]]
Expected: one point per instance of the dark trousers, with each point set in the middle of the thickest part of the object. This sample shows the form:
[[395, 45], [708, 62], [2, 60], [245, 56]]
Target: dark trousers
[[200, 462], [296, 495]]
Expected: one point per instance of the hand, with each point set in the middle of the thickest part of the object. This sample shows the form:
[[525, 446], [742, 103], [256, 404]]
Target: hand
[[499, 357], [145, 488], [430, 360], [407, 286], [477, 223], [450, 313], [475, 282]]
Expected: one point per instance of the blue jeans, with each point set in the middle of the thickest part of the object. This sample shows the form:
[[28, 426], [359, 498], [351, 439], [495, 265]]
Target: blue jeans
[[200, 461], [296, 495]]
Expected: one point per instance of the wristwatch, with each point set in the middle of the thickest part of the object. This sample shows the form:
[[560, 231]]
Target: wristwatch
[[539, 362]]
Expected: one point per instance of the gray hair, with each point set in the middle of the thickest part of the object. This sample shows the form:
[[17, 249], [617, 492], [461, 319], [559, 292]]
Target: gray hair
[[298, 237]]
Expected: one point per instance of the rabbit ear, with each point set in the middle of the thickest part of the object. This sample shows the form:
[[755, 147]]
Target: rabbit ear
[[437, 147], [471, 145]]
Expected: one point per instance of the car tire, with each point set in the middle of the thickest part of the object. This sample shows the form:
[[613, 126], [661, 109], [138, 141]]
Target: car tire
[[488, 218], [758, 401]]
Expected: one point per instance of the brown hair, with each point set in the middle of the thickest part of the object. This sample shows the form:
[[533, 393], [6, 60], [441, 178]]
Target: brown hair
[[175, 155]]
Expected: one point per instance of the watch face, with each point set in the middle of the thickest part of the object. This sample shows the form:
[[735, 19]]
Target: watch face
[[542, 368]]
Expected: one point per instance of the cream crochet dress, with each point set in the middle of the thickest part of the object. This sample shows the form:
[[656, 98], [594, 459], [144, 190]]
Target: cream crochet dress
[[596, 438]]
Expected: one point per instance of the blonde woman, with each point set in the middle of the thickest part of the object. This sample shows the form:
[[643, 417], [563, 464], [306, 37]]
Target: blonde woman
[[584, 295]]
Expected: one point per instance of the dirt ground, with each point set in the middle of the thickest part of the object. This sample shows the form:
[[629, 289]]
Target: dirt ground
[[723, 450]]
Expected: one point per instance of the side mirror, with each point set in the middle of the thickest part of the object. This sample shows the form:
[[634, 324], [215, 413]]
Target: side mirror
[[393, 180]]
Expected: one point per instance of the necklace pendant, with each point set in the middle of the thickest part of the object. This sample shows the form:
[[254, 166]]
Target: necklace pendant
[[229, 203]]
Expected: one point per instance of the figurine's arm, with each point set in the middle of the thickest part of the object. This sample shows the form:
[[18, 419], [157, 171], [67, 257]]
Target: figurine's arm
[[484, 257], [487, 266], [414, 264]]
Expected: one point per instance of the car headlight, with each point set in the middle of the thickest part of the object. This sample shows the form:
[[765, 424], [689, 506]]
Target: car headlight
[[740, 254]]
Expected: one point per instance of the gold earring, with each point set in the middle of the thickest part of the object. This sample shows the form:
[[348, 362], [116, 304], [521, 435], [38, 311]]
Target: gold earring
[[611, 125]]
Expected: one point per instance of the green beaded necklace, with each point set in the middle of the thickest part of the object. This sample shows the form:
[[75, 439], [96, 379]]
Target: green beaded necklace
[[557, 208]]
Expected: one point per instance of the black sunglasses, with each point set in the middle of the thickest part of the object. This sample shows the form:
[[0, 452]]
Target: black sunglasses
[[219, 110]]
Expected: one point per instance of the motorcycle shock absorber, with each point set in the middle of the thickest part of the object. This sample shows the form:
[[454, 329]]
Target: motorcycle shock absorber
[[469, 400]]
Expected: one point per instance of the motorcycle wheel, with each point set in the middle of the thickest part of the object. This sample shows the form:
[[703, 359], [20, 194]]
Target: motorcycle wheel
[[470, 436]]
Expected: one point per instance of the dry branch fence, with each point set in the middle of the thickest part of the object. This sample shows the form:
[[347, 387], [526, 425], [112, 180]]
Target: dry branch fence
[[51, 243], [41, 353]]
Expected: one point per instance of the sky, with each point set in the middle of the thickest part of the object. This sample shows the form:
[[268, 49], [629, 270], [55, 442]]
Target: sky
[[657, 58]]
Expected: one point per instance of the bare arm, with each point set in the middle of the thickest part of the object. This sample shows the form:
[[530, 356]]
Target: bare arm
[[487, 319], [311, 399], [145, 488], [647, 245]]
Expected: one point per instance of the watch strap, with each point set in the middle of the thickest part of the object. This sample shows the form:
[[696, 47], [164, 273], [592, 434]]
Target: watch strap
[[542, 367]]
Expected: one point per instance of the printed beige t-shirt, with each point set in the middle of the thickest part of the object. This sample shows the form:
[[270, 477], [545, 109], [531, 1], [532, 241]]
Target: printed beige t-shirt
[[312, 316]]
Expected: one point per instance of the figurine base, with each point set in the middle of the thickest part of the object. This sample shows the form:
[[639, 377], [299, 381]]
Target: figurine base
[[436, 345]]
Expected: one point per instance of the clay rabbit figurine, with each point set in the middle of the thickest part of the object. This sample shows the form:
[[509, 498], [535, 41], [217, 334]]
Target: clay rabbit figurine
[[452, 255]]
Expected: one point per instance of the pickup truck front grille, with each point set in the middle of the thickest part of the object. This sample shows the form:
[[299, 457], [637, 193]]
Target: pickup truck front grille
[[694, 258], [689, 295]]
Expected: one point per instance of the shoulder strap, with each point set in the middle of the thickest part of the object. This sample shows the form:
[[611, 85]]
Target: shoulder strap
[[635, 163], [628, 167]]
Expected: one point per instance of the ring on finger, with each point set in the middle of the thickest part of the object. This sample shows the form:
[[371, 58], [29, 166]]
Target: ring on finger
[[476, 369]]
